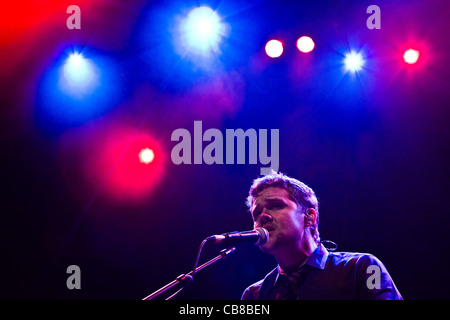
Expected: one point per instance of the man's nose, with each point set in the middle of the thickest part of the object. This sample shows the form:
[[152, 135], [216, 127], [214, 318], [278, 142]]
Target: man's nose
[[263, 219]]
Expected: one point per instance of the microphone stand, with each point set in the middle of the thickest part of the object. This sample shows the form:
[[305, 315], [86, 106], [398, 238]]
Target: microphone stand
[[187, 279]]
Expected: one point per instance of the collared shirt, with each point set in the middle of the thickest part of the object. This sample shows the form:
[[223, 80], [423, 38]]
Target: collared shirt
[[329, 276]]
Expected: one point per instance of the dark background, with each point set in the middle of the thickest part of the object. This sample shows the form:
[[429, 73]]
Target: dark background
[[373, 146]]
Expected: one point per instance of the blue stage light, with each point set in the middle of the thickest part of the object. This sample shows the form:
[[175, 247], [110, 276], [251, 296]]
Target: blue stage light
[[79, 75], [202, 31], [76, 69], [76, 88], [353, 61]]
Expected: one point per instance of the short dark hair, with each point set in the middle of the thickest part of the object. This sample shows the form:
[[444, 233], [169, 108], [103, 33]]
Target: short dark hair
[[298, 192]]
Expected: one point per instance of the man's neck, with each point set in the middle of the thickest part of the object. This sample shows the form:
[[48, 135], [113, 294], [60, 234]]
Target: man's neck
[[290, 259]]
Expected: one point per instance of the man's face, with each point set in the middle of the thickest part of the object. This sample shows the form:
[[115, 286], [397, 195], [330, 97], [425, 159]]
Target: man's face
[[273, 210]]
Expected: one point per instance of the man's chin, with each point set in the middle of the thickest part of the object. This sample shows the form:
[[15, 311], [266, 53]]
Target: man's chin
[[267, 248]]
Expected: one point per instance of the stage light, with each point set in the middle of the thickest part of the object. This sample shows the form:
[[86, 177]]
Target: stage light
[[117, 160], [77, 87], [305, 44], [79, 77], [353, 61], [75, 60], [146, 155], [411, 56], [202, 30], [274, 48], [77, 69]]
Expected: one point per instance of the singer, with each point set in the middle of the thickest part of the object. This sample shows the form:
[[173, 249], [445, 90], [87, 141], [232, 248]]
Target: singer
[[289, 210]]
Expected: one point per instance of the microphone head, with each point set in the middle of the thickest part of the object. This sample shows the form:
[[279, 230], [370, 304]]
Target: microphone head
[[263, 236]]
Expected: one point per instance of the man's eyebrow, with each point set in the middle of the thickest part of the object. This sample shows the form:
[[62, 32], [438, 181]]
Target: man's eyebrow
[[275, 199], [270, 201]]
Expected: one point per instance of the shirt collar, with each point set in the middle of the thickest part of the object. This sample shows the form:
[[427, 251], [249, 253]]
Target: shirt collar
[[317, 259]]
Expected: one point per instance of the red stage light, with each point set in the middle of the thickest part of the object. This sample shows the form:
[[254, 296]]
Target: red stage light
[[132, 164], [305, 44], [274, 48], [411, 56], [146, 155]]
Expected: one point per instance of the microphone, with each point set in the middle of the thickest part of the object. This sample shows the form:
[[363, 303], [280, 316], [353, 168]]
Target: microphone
[[259, 236]]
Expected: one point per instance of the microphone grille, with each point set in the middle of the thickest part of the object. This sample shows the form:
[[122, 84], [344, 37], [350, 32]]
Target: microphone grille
[[263, 236]]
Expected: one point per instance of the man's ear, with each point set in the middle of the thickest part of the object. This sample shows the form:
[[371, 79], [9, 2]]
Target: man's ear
[[310, 217]]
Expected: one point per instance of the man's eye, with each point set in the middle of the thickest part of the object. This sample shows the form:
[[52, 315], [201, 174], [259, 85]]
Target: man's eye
[[277, 206]]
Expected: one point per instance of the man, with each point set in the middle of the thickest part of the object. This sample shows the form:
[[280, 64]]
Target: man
[[288, 209]]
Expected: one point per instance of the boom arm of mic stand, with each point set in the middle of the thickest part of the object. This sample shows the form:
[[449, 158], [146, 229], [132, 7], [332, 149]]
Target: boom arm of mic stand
[[187, 279]]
